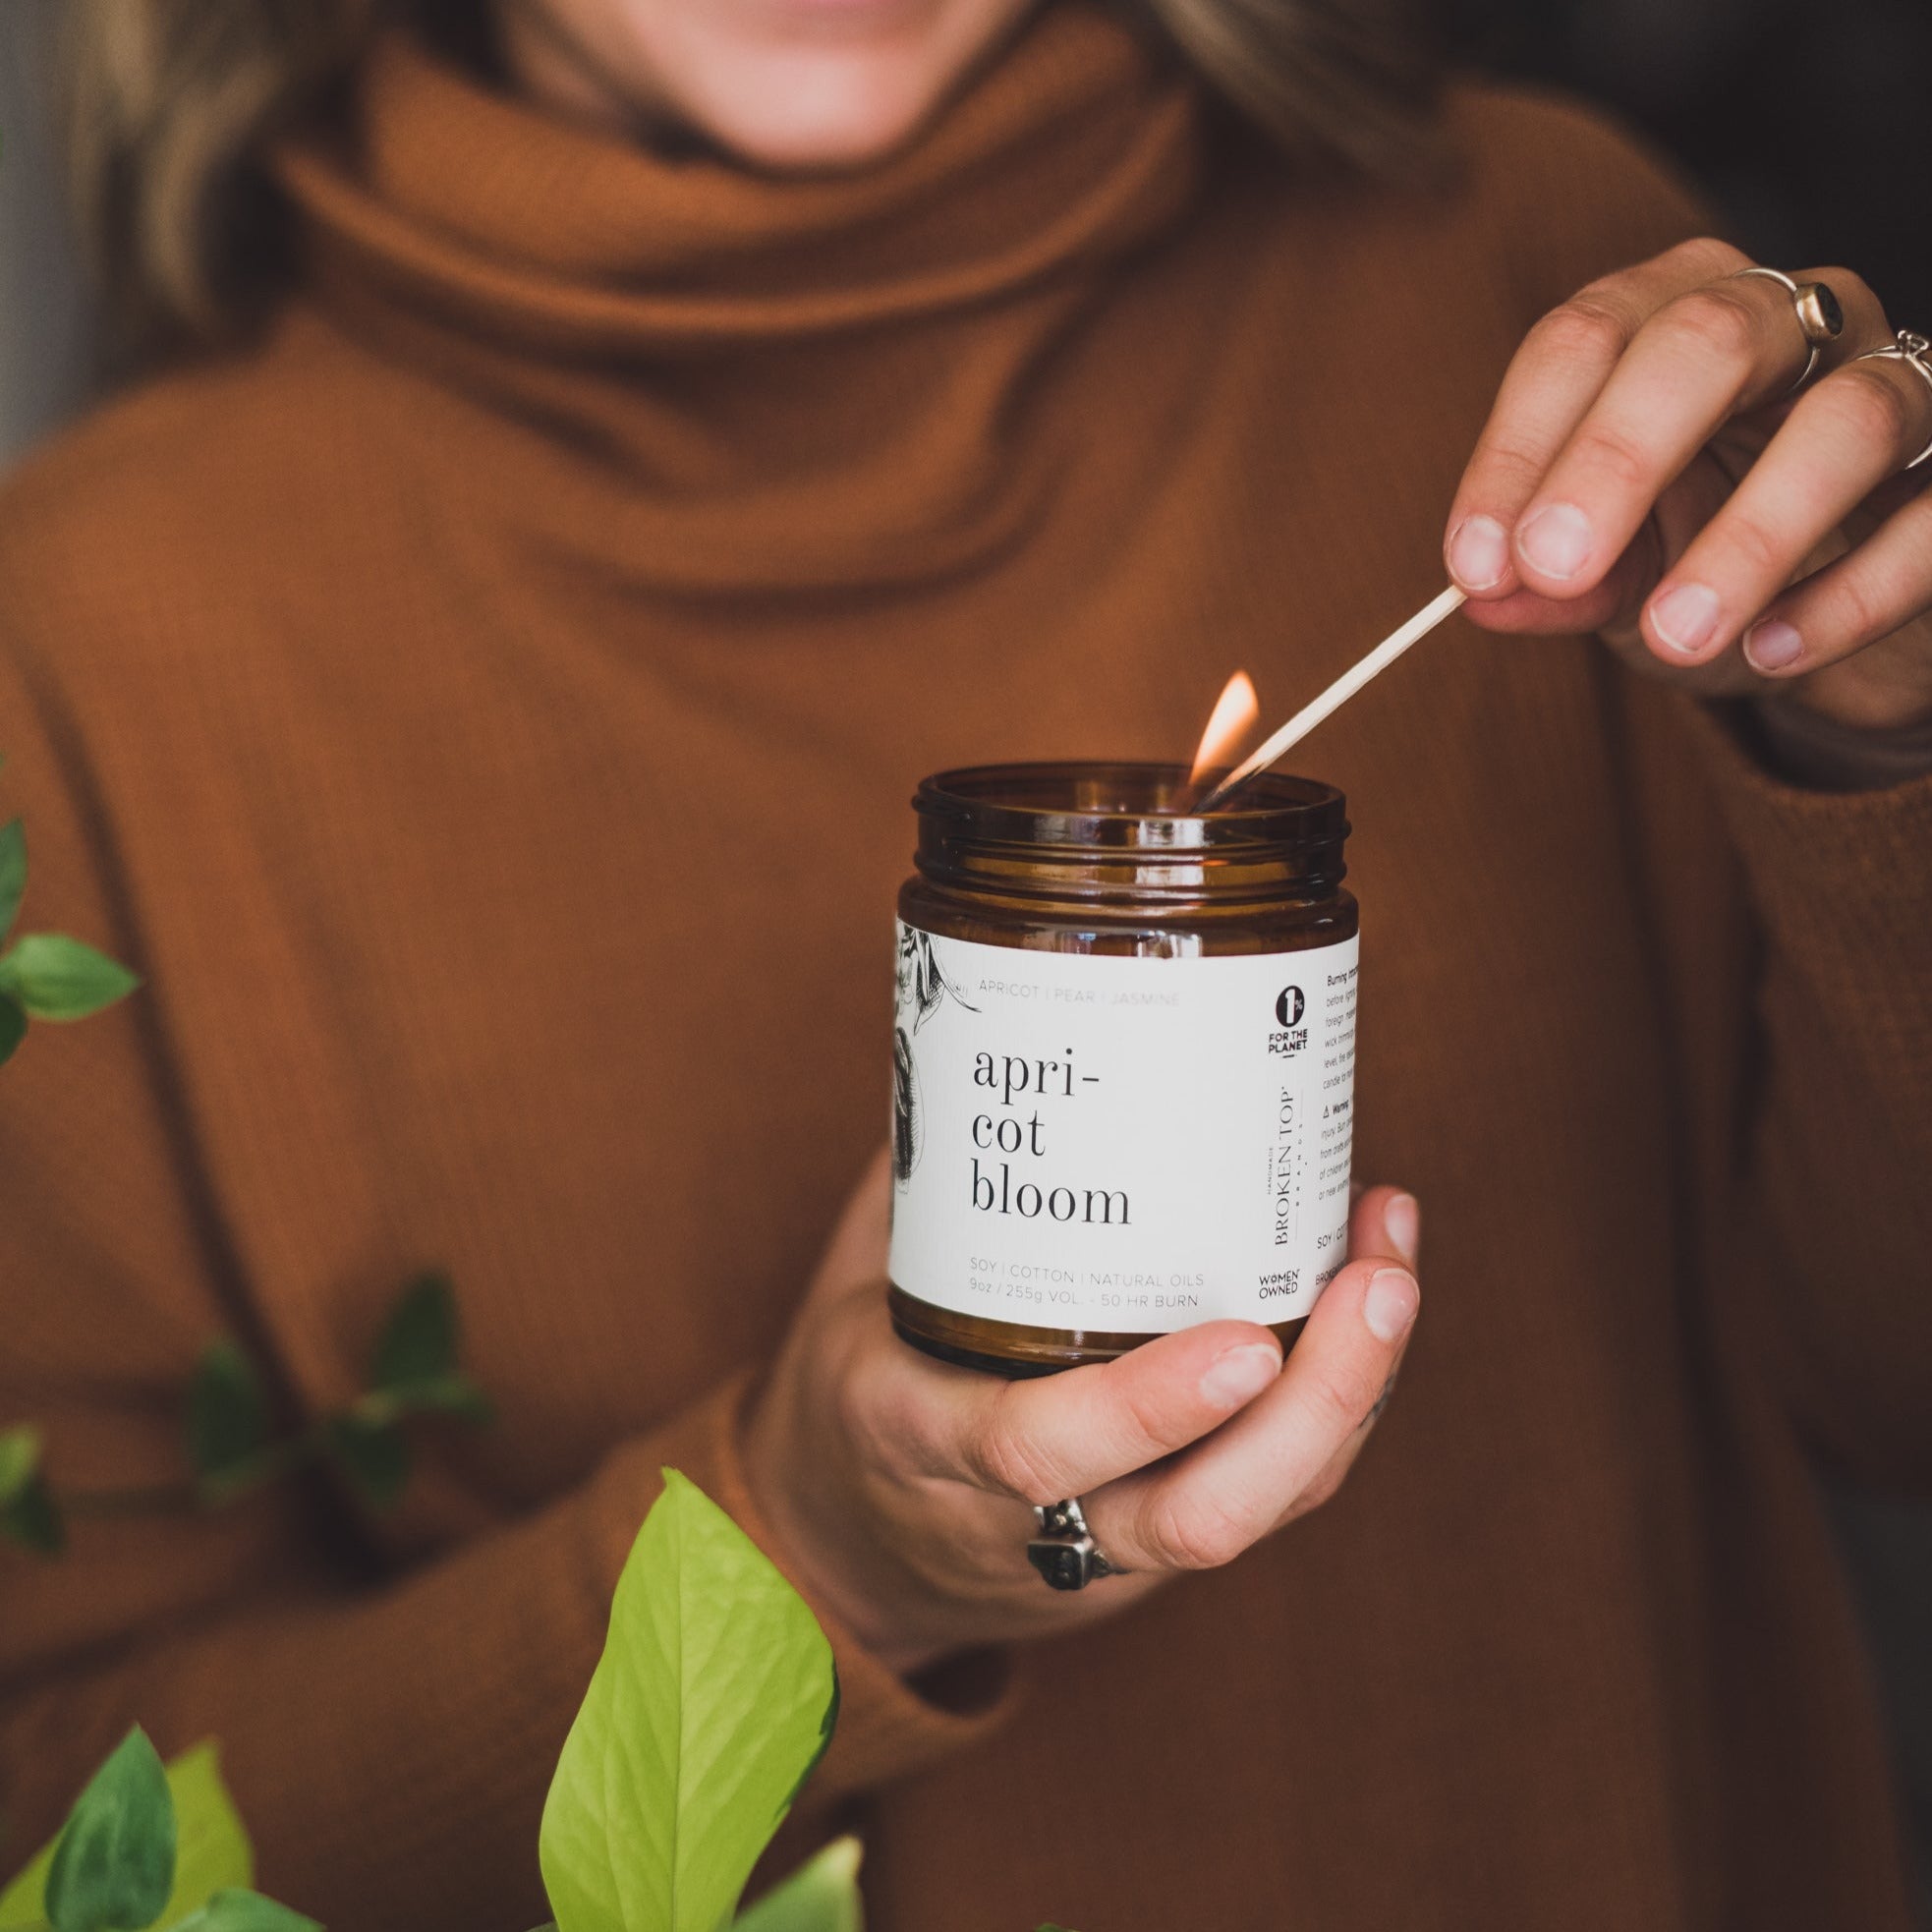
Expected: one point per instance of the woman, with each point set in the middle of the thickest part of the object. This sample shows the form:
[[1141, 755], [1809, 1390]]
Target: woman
[[483, 700]]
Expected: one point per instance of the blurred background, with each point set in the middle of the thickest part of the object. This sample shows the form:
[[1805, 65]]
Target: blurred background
[[1810, 130]]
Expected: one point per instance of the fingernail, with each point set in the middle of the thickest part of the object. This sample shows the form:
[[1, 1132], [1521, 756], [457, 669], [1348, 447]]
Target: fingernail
[[1390, 1303], [1773, 645], [1557, 539], [1402, 1218], [1239, 1376], [1686, 616], [1479, 554]]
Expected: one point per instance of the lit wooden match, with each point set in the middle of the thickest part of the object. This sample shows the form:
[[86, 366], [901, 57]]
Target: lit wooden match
[[1335, 697]]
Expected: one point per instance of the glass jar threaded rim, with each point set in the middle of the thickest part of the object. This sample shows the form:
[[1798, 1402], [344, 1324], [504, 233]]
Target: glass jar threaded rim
[[1121, 832]]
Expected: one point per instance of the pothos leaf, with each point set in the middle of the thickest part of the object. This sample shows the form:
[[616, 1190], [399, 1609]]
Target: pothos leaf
[[419, 1343], [214, 1854], [20, 1459], [56, 978], [376, 1455], [33, 1520], [13, 873], [213, 1849], [29, 1515], [113, 1865], [447, 1394], [227, 1420], [244, 1912], [13, 1026], [822, 1896], [708, 1705]]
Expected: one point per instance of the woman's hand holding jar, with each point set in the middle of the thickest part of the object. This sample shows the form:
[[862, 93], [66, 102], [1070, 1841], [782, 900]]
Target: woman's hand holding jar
[[900, 1488]]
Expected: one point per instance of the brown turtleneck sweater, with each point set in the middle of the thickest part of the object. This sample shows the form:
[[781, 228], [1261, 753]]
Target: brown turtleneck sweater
[[486, 715]]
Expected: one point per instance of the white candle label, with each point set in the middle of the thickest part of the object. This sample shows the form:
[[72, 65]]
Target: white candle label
[[1127, 1145]]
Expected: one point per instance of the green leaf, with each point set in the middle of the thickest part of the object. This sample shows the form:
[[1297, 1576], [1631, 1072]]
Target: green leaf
[[827, 1724], [376, 1455], [227, 1420], [447, 1394], [708, 1703], [822, 1896], [20, 1459], [415, 1360], [29, 1515], [419, 1344], [13, 873], [33, 1520], [244, 1912], [212, 1851], [13, 1026], [113, 1866], [56, 978], [19, 1903]]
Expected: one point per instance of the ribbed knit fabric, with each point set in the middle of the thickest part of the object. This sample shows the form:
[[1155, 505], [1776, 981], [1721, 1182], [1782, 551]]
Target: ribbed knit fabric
[[486, 715]]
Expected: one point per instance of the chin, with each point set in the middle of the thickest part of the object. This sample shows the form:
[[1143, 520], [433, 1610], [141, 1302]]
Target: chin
[[820, 111]]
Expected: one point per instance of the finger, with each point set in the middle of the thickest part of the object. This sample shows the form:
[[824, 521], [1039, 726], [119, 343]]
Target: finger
[[1335, 1474], [1331, 1477], [1064, 1435], [1068, 1434], [1384, 1224], [1326, 1485], [1868, 593], [1401, 1216], [1844, 437], [1713, 353], [1550, 385], [1226, 1493]]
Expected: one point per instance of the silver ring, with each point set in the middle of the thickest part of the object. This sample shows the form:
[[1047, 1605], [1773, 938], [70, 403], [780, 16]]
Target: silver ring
[[1064, 1552], [1916, 351], [1817, 310]]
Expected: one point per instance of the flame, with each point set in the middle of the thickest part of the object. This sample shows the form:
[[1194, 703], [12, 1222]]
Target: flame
[[1234, 714]]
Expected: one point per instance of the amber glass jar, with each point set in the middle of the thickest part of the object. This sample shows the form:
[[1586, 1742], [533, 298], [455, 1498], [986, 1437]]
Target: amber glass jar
[[1123, 1062]]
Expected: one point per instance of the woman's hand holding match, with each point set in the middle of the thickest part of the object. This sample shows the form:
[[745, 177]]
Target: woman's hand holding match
[[1646, 473]]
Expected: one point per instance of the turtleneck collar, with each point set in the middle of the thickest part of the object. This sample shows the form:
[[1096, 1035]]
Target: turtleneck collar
[[798, 380]]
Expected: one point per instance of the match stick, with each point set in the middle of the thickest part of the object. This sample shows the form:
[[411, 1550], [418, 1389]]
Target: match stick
[[1336, 696]]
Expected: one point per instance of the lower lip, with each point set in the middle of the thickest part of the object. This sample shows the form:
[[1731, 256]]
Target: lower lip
[[856, 13]]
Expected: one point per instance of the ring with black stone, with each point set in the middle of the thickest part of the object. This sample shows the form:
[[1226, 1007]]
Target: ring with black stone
[[1064, 1552], [1818, 311]]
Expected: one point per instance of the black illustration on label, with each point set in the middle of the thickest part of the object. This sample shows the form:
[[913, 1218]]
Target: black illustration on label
[[923, 985], [923, 979], [908, 1116]]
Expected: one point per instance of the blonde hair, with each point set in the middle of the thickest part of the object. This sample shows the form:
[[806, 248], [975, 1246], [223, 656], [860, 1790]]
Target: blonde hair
[[173, 104]]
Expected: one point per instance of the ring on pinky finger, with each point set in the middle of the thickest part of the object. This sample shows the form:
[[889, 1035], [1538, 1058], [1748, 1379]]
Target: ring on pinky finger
[[1916, 351], [1866, 595]]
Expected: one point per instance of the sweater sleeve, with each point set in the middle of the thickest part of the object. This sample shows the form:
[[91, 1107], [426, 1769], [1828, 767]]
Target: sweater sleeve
[[389, 1724], [1840, 1141], [1833, 892]]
